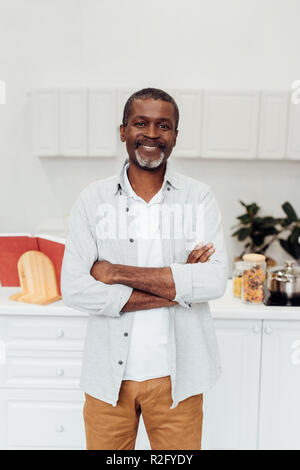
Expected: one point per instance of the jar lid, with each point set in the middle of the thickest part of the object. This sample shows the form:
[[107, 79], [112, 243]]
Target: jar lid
[[254, 257]]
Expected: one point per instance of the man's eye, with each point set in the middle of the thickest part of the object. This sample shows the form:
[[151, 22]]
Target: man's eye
[[139, 123], [165, 126]]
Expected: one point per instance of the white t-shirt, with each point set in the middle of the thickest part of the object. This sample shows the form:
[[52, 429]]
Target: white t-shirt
[[148, 351]]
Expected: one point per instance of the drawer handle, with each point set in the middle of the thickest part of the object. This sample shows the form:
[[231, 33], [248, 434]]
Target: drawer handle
[[60, 428], [59, 371], [256, 329], [59, 332], [268, 330]]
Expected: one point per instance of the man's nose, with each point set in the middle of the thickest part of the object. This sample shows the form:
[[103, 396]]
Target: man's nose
[[151, 131]]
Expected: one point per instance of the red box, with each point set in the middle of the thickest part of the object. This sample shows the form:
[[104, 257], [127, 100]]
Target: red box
[[12, 246]]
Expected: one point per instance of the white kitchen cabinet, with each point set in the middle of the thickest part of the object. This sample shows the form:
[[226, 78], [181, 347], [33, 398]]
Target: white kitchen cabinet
[[273, 125], [73, 123], [212, 123], [280, 386], [230, 419], [254, 404], [45, 115], [41, 419], [190, 122], [230, 124], [231, 407], [293, 147], [102, 131], [41, 404]]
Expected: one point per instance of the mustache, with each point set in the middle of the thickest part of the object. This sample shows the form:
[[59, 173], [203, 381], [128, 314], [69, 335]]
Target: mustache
[[160, 145]]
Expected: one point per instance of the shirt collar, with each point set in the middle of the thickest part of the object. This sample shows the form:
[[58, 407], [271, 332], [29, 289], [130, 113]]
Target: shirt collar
[[170, 176]]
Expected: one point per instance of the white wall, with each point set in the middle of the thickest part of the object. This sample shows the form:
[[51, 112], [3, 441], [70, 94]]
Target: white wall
[[243, 44]]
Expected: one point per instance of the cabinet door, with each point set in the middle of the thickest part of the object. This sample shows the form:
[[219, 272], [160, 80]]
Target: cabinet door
[[190, 121], [102, 132], [230, 123], [44, 419], [273, 125], [293, 150], [230, 418], [280, 386], [73, 123], [45, 123]]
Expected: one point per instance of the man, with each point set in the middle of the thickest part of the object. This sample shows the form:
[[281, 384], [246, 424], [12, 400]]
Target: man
[[150, 344]]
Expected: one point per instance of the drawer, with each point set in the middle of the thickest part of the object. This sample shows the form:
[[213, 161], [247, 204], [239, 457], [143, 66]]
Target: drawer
[[43, 332], [42, 420], [35, 369]]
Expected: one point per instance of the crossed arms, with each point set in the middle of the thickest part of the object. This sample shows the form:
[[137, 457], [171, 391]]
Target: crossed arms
[[152, 287]]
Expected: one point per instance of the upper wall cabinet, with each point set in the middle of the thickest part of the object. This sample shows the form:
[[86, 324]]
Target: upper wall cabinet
[[73, 123], [273, 125], [293, 148], [230, 124], [45, 123], [212, 124], [102, 133], [190, 122]]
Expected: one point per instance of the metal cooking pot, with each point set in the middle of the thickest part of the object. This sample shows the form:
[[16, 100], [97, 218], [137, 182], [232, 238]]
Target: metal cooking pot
[[284, 280]]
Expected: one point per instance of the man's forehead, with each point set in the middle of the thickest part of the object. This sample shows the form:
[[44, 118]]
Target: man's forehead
[[152, 108]]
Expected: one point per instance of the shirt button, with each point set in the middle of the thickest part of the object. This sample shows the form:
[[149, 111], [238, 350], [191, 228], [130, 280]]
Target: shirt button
[[190, 305], [131, 240], [120, 362], [168, 189], [126, 334], [127, 209]]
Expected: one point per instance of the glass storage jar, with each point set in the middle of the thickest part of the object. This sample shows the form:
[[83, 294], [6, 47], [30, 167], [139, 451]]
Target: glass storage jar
[[238, 269], [254, 277]]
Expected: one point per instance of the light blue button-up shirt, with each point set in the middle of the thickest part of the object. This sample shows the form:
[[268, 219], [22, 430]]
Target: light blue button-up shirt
[[193, 349]]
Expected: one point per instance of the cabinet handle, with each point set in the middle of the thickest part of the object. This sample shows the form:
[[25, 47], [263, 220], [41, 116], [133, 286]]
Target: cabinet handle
[[60, 428], [59, 371], [268, 330], [59, 332], [256, 329]]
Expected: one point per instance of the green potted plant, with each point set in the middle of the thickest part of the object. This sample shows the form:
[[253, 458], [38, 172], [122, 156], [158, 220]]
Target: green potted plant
[[291, 225], [260, 232]]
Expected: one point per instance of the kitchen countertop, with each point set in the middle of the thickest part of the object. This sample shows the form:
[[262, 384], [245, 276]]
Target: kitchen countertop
[[226, 307]]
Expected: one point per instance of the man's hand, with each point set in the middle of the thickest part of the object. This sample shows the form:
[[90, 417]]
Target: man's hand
[[103, 271], [200, 254]]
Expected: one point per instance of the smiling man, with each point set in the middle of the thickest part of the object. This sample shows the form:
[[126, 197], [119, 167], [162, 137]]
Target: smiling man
[[150, 345]]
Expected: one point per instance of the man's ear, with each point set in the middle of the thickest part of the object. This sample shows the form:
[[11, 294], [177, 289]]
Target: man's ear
[[176, 134], [122, 131]]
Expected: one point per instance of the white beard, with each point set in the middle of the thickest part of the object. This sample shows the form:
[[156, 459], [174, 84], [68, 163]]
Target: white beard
[[149, 163]]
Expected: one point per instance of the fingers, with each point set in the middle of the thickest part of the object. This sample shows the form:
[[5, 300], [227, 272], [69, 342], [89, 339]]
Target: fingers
[[206, 256], [201, 254]]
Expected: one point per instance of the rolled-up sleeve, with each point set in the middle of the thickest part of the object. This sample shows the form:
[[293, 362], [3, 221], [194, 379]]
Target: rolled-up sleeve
[[201, 282], [79, 288]]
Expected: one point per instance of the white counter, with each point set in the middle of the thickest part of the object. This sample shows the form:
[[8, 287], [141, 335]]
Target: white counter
[[225, 307]]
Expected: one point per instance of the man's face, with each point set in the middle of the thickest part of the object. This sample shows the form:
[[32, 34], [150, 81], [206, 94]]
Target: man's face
[[150, 134]]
